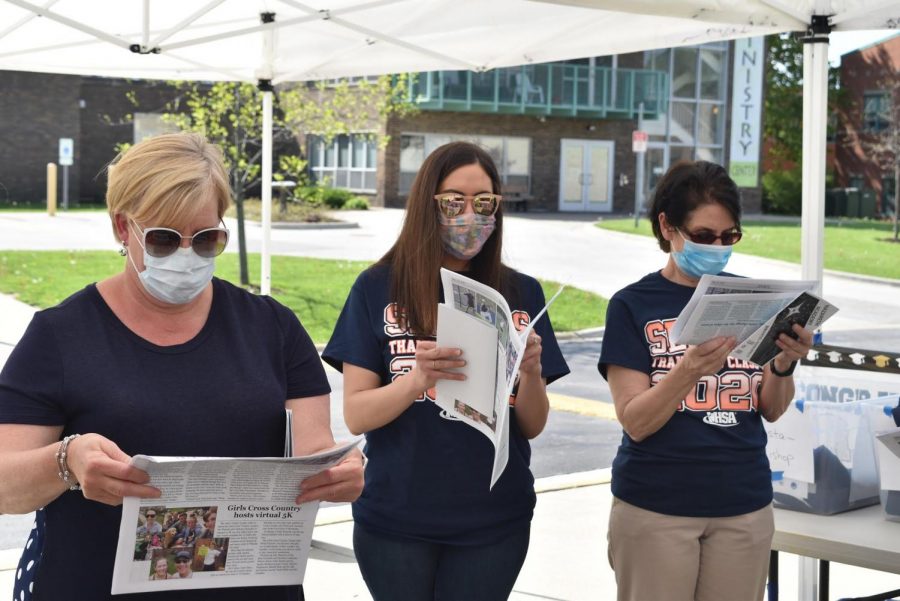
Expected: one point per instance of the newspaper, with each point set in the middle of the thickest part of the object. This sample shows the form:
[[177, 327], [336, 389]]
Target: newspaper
[[220, 522], [476, 319], [754, 311]]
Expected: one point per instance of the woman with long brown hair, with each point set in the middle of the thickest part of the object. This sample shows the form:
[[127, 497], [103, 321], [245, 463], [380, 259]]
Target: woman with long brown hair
[[427, 526]]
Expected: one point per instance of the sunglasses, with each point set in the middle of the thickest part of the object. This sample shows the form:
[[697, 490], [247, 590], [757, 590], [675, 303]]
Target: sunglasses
[[182, 561], [151, 515], [707, 237], [453, 203], [162, 241]]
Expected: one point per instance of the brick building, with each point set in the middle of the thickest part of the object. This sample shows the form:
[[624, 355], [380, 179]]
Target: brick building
[[868, 133], [560, 132]]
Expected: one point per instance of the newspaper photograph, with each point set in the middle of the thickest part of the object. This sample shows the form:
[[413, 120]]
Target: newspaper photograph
[[477, 319], [754, 311], [219, 522]]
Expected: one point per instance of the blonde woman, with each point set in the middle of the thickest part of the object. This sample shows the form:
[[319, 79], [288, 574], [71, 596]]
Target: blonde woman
[[161, 337]]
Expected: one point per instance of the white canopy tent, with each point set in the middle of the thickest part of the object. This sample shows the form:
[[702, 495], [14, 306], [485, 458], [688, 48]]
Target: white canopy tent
[[273, 41]]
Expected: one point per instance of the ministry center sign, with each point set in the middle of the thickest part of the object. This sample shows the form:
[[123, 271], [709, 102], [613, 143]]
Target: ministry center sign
[[746, 110]]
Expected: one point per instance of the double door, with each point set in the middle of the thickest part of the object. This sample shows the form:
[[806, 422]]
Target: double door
[[586, 175]]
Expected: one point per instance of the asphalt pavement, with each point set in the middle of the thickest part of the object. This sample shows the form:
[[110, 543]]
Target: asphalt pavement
[[567, 558]]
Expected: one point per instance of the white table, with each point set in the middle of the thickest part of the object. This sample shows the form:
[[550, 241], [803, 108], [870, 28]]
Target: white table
[[861, 538]]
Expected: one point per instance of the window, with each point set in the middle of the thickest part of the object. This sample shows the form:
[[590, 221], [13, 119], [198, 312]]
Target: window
[[347, 161], [147, 125], [888, 190], [511, 154], [876, 111]]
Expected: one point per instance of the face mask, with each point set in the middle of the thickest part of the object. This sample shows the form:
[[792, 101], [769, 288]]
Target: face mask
[[464, 236], [696, 259], [177, 278]]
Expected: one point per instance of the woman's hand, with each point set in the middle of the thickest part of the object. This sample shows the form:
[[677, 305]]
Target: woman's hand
[[531, 359], [343, 482], [792, 349], [105, 471], [707, 358], [435, 363]]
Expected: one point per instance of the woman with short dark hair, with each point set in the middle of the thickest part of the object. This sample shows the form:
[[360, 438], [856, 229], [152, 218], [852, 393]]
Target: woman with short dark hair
[[692, 494]]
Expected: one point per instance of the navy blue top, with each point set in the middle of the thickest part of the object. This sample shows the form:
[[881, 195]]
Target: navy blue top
[[709, 459], [428, 474], [78, 366]]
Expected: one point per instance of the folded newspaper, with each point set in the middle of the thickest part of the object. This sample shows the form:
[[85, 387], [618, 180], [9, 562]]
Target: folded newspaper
[[220, 522], [476, 319], [754, 311]]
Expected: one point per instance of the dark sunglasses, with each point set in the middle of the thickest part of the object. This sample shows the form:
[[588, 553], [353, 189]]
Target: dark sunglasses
[[151, 515], [707, 237], [453, 203], [162, 241], [182, 560]]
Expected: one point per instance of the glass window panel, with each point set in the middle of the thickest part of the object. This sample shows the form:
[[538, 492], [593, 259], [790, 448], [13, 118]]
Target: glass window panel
[[328, 154], [372, 154], [433, 141], [356, 180], [712, 74], [518, 156], [684, 76], [710, 118], [370, 180], [359, 150], [494, 147], [483, 86], [603, 61], [315, 150], [455, 85], [713, 155], [343, 142], [680, 153], [406, 180], [657, 60], [412, 153], [341, 179], [682, 126]]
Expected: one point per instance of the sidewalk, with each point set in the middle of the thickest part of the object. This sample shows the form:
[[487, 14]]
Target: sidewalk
[[566, 559]]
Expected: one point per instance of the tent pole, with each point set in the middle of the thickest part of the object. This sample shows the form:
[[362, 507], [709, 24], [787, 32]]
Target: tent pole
[[265, 279], [815, 117]]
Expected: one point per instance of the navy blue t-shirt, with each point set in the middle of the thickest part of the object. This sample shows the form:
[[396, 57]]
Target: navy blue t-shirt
[[709, 459], [428, 473], [222, 393]]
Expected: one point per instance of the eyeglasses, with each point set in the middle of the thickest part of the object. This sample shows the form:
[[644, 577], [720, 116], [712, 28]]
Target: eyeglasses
[[162, 241], [151, 515], [453, 203], [707, 237]]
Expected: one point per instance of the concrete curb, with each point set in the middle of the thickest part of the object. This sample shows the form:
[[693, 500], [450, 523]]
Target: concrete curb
[[340, 514], [319, 225]]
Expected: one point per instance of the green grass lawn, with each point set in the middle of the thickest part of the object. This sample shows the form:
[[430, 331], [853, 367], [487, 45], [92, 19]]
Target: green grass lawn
[[314, 288], [854, 246]]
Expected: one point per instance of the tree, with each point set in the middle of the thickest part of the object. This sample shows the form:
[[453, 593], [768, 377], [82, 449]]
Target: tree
[[871, 126], [783, 104], [230, 115]]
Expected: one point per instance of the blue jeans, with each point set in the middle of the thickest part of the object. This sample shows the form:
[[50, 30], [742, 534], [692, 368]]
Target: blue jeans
[[410, 570]]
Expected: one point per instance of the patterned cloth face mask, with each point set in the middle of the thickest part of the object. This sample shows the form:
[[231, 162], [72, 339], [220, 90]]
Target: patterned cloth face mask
[[463, 236]]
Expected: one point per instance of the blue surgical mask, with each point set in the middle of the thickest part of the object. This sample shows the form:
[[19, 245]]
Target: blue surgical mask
[[696, 259]]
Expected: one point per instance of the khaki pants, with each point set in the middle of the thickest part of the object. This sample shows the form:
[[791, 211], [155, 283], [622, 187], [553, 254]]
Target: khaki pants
[[660, 557]]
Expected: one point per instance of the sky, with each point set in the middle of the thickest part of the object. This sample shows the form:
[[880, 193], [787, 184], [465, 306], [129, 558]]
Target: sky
[[842, 42]]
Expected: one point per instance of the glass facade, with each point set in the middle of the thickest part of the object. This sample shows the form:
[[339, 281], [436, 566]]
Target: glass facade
[[512, 154], [348, 161], [694, 127]]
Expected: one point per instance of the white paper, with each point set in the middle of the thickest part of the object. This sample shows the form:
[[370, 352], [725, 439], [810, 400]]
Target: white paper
[[753, 311], [790, 445], [261, 537], [477, 319], [888, 448]]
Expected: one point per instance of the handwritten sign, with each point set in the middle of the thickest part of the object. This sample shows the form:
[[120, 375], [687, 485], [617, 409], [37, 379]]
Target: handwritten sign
[[790, 446]]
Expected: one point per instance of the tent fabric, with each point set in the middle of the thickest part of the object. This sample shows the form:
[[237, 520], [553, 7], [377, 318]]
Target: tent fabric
[[221, 39]]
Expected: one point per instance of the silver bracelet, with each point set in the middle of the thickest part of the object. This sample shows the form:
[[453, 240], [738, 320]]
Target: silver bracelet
[[62, 463]]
